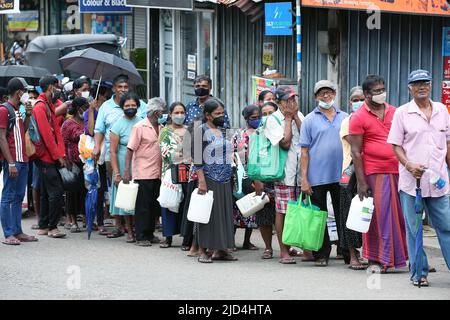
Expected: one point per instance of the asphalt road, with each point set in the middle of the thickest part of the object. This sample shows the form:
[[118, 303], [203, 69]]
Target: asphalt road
[[100, 268]]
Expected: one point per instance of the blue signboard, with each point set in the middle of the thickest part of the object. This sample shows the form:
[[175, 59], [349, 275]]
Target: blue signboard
[[278, 18], [104, 6], [446, 42]]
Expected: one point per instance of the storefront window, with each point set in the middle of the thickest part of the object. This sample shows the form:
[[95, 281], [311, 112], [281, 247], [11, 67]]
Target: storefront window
[[64, 17], [101, 24]]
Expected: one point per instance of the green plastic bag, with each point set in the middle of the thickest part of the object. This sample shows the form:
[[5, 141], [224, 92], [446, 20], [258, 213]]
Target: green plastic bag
[[265, 161], [304, 225]]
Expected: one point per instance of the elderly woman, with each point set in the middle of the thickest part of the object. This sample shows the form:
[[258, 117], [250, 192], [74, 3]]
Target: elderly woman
[[214, 174], [144, 152], [120, 133], [349, 239]]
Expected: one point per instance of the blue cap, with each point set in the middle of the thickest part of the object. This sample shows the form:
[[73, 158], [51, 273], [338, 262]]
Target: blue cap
[[419, 75]]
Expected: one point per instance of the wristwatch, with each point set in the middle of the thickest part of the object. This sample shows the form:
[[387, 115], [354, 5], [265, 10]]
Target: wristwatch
[[11, 165]]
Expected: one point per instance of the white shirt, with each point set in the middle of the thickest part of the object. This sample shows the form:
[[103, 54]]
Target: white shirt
[[275, 133]]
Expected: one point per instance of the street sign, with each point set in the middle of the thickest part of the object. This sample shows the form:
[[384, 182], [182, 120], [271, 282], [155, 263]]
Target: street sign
[[278, 18], [163, 4], [9, 6], [104, 6]]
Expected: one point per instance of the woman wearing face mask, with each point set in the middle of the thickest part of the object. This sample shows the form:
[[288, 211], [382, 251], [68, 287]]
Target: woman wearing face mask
[[171, 144], [214, 173], [349, 239], [71, 131], [120, 133]]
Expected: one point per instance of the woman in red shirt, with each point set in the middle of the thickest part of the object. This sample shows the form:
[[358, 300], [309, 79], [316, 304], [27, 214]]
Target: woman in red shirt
[[71, 130]]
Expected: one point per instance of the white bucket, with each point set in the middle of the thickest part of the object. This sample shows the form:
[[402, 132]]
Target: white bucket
[[126, 196], [200, 207], [360, 214], [251, 204]]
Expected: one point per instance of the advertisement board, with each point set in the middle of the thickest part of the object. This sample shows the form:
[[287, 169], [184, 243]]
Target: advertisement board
[[9, 6]]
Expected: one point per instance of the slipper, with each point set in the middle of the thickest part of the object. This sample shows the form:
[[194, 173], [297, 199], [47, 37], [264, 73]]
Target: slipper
[[35, 227], [144, 243], [226, 257], [57, 235], [155, 240], [103, 232], [357, 267], [12, 241], [194, 255], [287, 261], [165, 245], [185, 248], [27, 238], [321, 263], [423, 283], [115, 234], [268, 254], [431, 269], [42, 232], [75, 229], [250, 246], [131, 240], [295, 253], [204, 259]]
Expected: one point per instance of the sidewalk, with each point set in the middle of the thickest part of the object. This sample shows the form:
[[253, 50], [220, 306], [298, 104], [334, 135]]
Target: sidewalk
[[430, 240]]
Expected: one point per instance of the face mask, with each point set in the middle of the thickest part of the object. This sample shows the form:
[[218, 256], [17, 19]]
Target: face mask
[[86, 94], [201, 92], [254, 123], [380, 98], [130, 113], [357, 105], [25, 97], [56, 95], [179, 119], [219, 121], [32, 101], [325, 105], [264, 119], [163, 119]]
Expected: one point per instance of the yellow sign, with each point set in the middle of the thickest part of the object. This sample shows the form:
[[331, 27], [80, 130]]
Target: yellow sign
[[268, 54]]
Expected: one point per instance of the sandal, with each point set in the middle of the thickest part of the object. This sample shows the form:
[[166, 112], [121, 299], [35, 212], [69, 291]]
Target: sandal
[[26, 238], [250, 246], [204, 259], [377, 268], [11, 241], [357, 266], [75, 229], [423, 283], [295, 253], [268, 254], [288, 260], [131, 239], [321, 263], [144, 243], [225, 257], [103, 231], [185, 248], [115, 234], [35, 227], [165, 244], [56, 235]]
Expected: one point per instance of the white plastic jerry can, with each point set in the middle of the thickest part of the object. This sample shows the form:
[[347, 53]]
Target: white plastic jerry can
[[251, 204], [200, 207], [360, 215], [126, 196]]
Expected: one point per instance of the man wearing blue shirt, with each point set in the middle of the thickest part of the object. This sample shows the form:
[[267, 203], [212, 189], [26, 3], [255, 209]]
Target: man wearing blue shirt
[[321, 156], [108, 114]]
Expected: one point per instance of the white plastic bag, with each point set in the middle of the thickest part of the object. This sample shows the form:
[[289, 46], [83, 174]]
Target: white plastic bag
[[170, 195]]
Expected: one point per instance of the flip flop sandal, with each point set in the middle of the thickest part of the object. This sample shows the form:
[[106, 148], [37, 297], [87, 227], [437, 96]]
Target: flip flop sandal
[[165, 245], [144, 243], [423, 283], [28, 239], [226, 257], [11, 242], [35, 227], [131, 240], [185, 248], [115, 234], [75, 229], [57, 235], [251, 246], [268, 254], [103, 232], [321, 263], [295, 253], [204, 259], [287, 261], [357, 267]]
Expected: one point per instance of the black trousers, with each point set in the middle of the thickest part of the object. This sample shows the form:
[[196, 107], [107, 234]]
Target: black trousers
[[52, 200], [319, 198], [147, 208], [101, 195]]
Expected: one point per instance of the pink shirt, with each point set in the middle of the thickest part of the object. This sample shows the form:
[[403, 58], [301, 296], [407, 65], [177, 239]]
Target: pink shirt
[[424, 142], [147, 161]]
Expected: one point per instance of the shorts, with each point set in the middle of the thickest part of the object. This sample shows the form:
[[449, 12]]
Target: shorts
[[284, 194], [36, 183]]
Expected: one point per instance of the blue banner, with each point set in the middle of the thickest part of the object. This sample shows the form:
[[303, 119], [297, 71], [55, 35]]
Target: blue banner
[[278, 19], [446, 42], [104, 6]]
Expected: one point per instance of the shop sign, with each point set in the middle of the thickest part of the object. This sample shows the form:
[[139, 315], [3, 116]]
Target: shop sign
[[104, 6], [9, 6], [163, 4], [446, 94], [268, 54], [26, 21], [278, 18]]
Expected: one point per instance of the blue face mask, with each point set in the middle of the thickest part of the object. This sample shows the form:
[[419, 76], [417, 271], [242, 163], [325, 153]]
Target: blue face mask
[[163, 119], [357, 105], [254, 123]]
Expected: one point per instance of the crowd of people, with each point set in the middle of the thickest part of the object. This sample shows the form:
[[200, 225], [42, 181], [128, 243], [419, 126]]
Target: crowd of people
[[381, 149]]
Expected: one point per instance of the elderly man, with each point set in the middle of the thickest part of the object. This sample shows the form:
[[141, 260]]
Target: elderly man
[[145, 156], [420, 135], [376, 167], [321, 159]]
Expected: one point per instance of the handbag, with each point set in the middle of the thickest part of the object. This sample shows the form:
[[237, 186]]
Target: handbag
[[170, 195], [304, 225], [180, 173], [266, 162]]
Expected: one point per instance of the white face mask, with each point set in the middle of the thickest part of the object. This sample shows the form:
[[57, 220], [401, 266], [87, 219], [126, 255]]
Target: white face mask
[[380, 98], [325, 105], [25, 97], [86, 94], [357, 105]]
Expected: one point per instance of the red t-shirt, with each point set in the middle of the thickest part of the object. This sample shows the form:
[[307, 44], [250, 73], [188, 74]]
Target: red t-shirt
[[16, 137], [71, 132], [378, 155]]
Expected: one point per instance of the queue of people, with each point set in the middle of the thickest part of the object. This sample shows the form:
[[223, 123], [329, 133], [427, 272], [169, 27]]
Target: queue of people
[[377, 151]]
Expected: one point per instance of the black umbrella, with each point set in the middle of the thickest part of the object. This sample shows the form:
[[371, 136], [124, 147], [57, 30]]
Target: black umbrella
[[29, 73], [101, 65]]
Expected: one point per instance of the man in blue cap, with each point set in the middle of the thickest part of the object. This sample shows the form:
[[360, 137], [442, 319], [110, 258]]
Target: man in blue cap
[[420, 135]]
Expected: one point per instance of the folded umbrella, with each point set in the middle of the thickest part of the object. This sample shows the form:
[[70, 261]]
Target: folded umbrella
[[97, 64], [29, 73], [418, 264], [91, 200]]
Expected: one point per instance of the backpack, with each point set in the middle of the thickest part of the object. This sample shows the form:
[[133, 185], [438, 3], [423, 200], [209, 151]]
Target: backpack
[[11, 116], [33, 141]]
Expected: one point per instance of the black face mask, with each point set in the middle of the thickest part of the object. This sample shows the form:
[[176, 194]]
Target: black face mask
[[56, 96], [201, 92], [219, 121], [130, 113]]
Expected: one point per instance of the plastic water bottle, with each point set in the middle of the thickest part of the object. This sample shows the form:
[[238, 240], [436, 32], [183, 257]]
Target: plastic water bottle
[[435, 179]]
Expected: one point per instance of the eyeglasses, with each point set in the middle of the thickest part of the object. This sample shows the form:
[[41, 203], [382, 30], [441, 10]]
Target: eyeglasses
[[325, 93]]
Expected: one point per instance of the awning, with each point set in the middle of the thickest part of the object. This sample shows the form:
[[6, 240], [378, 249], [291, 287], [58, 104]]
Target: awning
[[254, 9]]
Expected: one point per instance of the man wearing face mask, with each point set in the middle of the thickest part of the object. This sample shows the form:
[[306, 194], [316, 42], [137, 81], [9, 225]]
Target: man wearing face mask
[[50, 158], [82, 88], [321, 159], [194, 109], [376, 167], [14, 162]]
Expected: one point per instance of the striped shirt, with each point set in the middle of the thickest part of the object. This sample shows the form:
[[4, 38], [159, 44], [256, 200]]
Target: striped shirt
[[16, 137]]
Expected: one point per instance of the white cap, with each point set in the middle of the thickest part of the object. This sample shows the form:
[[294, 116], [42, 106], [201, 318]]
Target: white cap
[[68, 86], [324, 84]]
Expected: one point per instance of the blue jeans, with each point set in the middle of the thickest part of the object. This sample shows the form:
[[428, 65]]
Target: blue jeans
[[12, 197], [439, 212]]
